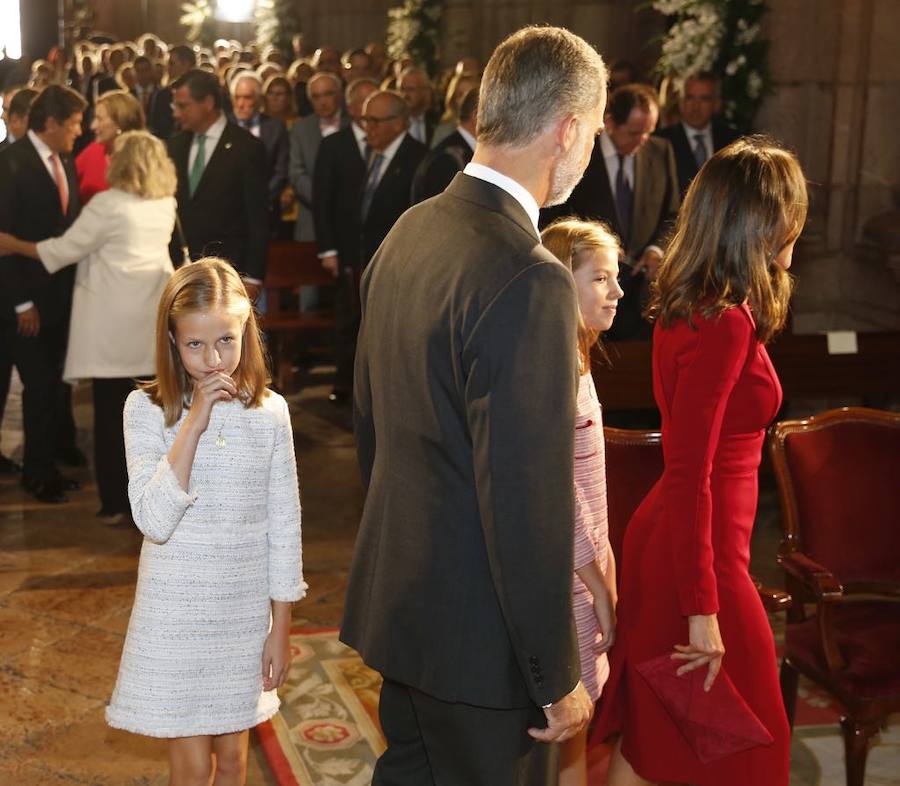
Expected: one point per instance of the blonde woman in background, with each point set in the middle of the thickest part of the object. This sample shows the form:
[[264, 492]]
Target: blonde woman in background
[[121, 244], [115, 113], [457, 89]]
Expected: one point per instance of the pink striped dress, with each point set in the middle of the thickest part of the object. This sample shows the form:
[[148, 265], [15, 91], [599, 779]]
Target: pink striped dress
[[591, 530]]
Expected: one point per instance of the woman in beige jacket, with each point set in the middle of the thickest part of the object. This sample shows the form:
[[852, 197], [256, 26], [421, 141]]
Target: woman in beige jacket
[[121, 244]]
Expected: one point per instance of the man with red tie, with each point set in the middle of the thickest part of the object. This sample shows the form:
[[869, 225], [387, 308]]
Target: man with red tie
[[39, 200]]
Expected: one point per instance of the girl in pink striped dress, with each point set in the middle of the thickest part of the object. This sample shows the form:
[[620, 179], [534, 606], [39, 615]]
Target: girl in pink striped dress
[[592, 252]]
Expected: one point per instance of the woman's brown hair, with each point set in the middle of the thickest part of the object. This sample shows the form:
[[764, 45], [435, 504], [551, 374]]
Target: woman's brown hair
[[206, 284], [573, 241], [747, 203]]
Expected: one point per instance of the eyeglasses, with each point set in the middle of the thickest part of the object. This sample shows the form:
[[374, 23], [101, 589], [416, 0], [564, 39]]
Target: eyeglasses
[[374, 121]]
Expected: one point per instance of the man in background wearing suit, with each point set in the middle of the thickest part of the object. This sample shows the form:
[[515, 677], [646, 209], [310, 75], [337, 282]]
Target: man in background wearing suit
[[393, 159], [700, 133], [246, 101], [337, 188], [16, 103], [39, 200], [416, 89], [221, 181], [145, 85], [464, 407], [160, 117], [450, 155], [324, 90], [631, 184]]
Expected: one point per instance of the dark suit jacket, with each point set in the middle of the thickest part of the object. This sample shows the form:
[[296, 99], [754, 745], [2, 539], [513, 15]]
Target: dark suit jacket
[[4, 143], [392, 197], [464, 410], [274, 136], [160, 121], [440, 166], [30, 210], [722, 135], [338, 179], [655, 205], [228, 215]]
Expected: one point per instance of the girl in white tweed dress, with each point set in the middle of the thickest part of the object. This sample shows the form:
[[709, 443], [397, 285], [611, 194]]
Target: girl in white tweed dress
[[213, 487]]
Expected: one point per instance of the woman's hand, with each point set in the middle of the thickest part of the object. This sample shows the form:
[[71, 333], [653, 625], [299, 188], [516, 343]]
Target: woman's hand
[[217, 386], [605, 611], [705, 647], [276, 660]]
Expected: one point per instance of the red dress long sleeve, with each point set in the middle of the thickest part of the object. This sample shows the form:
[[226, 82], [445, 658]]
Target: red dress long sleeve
[[687, 551], [91, 165]]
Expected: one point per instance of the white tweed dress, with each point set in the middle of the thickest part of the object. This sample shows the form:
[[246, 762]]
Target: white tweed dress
[[211, 561]]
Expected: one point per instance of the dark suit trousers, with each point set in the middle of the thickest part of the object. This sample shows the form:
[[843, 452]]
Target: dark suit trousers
[[346, 323], [6, 365], [438, 743], [46, 400], [109, 443]]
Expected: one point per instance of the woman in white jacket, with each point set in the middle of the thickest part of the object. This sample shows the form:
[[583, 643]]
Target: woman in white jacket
[[121, 244]]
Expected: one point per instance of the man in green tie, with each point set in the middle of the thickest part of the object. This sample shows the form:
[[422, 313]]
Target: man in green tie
[[222, 180]]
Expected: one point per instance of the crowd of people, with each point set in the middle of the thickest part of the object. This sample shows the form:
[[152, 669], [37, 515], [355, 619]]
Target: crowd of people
[[459, 338]]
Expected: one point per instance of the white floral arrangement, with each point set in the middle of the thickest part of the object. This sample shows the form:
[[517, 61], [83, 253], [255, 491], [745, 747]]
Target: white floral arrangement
[[197, 17], [414, 29], [722, 36]]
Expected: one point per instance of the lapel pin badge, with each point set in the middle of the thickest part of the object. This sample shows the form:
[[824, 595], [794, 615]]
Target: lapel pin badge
[[228, 145]]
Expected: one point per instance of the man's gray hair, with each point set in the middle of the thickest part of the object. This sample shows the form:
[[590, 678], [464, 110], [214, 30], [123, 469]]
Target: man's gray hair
[[350, 92], [536, 76], [324, 75], [248, 75]]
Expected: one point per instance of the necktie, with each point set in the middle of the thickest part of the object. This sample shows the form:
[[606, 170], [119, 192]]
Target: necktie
[[61, 185], [199, 164], [623, 200], [700, 152], [371, 183]]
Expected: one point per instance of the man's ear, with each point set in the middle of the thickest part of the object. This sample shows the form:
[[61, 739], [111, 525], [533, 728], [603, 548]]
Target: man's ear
[[567, 132]]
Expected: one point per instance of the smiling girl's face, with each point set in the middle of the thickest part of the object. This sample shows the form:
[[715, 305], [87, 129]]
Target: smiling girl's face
[[597, 284], [209, 341]]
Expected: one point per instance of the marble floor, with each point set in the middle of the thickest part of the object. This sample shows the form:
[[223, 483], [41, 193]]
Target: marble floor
[[66, 588]]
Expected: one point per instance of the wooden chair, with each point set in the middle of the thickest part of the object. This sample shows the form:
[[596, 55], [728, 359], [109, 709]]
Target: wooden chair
[[838, 476], [289, 266], [634, 462]]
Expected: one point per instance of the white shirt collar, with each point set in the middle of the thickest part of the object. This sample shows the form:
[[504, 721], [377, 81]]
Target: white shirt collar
[[691, 132], [43, 151], [390, 151], [608, 148], [470, 140], [217, 128], [516, 190]]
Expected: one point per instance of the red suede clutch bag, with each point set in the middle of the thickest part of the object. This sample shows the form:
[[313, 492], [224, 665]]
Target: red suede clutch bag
[[715, 724]]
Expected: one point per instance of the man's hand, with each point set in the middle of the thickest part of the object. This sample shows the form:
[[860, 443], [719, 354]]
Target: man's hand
[[566, 717], [649, 263], [332, 264], [287, 197], [28, 322]]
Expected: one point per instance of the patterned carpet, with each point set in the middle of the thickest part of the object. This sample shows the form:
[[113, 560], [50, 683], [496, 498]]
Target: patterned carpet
[[327, 732]]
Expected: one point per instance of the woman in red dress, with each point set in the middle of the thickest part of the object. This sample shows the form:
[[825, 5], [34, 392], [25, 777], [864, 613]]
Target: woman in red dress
[[115, 112], [721, 293]]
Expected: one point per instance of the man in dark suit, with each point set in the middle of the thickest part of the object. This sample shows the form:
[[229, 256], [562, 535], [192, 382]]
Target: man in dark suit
[[338, 179], [246, 102], [221, 181], [145, 85], [384, 195], [160, 119], [631, 184], [16, 103], [464, 407], [700, 133], [450, 155], [418, 93], [39, 200]]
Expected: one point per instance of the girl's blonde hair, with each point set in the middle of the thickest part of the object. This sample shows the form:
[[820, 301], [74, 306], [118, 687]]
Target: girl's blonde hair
[[201, 286], [573, 242], [140, 165], [747, 203]]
